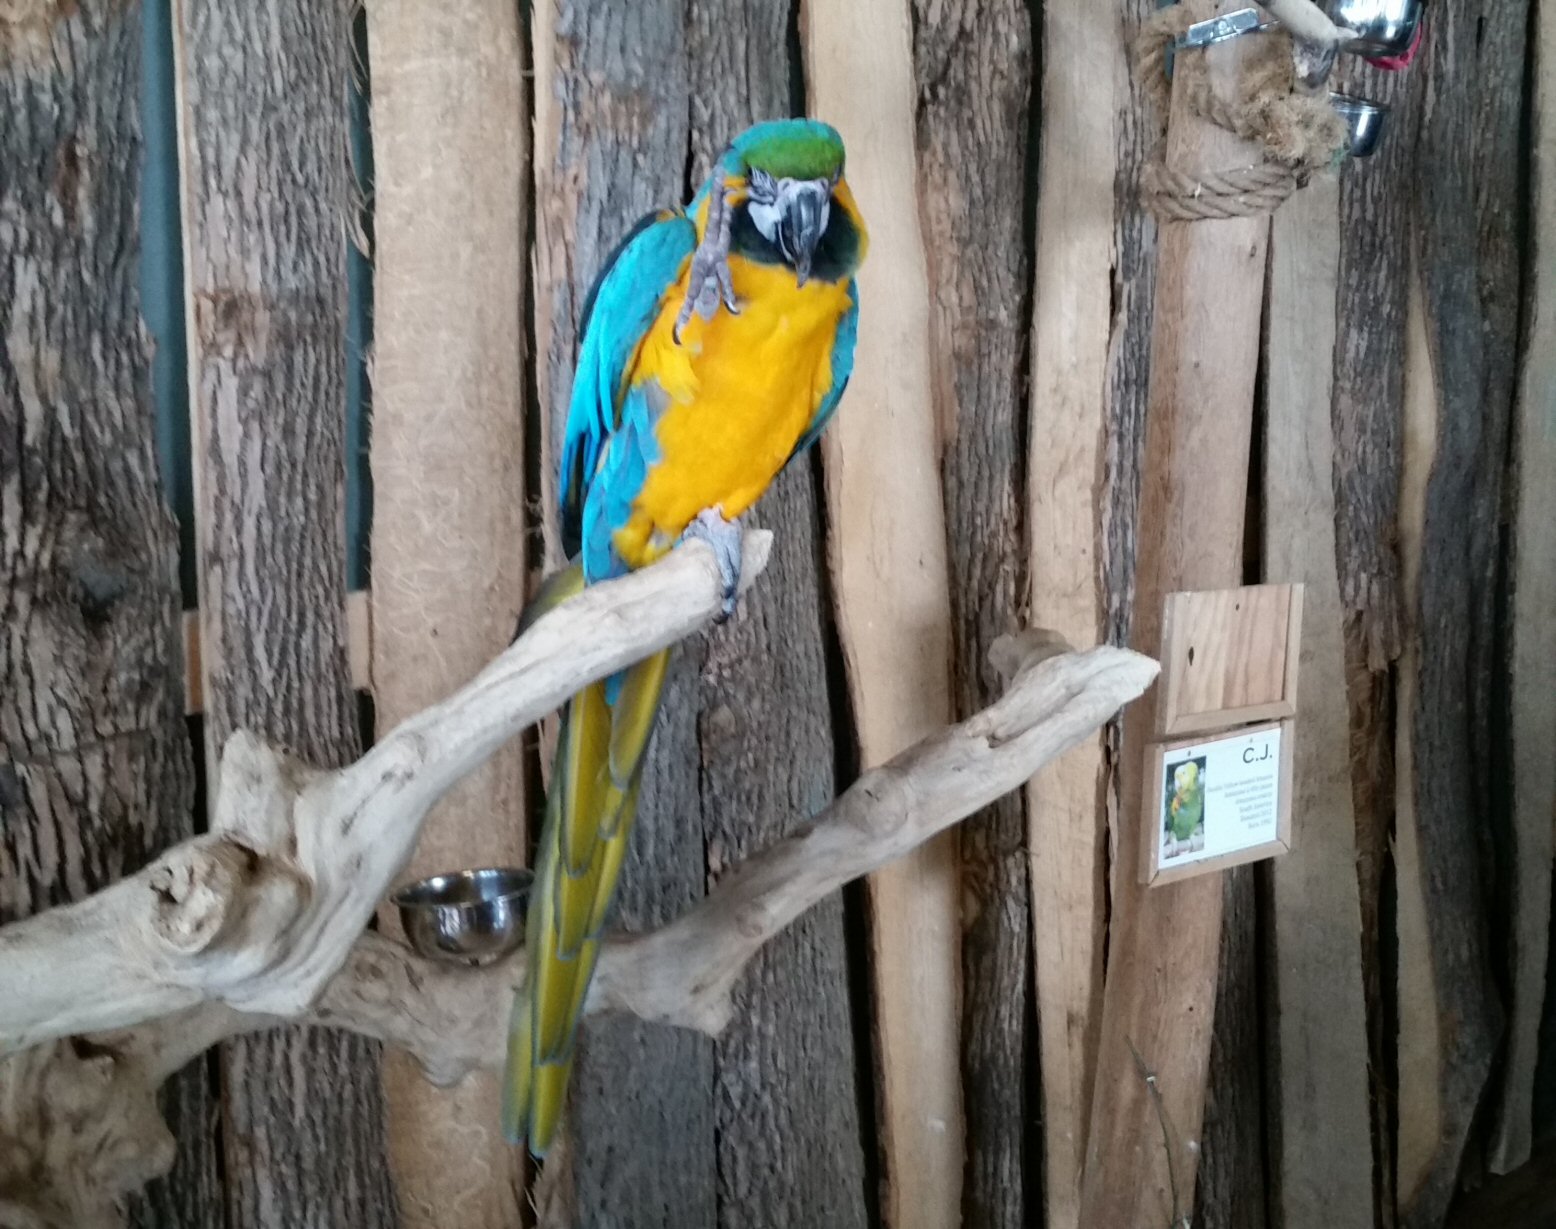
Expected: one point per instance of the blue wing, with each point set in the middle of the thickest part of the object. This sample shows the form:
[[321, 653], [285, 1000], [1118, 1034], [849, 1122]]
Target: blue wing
[[842, 368], [609, 441]]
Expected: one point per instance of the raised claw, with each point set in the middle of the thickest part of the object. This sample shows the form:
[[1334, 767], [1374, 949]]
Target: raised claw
[[710, 282]]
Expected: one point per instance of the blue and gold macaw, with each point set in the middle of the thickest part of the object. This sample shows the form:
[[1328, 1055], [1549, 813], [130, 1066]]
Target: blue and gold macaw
[[716, 345]]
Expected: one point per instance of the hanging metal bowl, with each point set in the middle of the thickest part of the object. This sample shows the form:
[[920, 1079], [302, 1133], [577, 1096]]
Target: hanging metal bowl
[[1379, 28], [468, 917], [1363, 122]]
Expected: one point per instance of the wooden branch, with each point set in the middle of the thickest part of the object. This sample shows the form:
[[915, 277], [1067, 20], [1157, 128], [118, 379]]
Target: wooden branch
[[455, 1020], [221, 939], [1305, 20], [261, 912], [207, 926]]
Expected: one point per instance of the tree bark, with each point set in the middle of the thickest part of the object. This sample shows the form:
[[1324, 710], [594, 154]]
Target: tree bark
[[95, 768], [611, 101], [1230, 1193], [786, 1097], [1468, 219], [1376, 196], [267, 192], [973, 65]]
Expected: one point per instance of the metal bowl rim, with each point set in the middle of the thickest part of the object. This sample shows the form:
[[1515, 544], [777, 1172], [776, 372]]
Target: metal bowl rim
[[422, 894], [1353, 102]]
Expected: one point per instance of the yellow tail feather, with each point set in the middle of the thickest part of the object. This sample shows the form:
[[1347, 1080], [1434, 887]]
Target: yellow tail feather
[[589, 818]]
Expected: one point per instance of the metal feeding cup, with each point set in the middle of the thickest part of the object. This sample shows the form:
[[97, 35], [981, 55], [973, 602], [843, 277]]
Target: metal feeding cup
[[1363, 122], [1378, 27], [466, 917]]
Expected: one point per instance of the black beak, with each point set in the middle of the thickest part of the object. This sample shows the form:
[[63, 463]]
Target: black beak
[[803, 223]]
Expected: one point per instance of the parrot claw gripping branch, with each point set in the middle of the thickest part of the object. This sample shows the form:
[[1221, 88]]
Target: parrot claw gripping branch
[[263, 920]]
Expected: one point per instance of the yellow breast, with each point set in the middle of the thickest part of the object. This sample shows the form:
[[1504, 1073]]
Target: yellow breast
[[742, 389]]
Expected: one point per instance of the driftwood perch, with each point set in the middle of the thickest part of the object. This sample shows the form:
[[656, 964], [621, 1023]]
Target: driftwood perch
[[262, 920]]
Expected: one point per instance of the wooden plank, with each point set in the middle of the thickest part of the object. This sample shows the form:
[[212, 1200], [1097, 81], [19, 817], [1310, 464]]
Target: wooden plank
[[450, 153], [1072, 322], [1322, 1160], [96, 775], [1228, 657], [266, 189], [1127, 393], [1531, 629], [973, 63], [886, 549], [1470, 258], [1376, 205], [786, 1092], [1232, 1189], [1420, 1043], [1156, 1005], [611, 100]]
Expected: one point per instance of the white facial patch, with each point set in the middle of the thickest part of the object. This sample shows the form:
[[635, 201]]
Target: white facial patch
[[764, 214]]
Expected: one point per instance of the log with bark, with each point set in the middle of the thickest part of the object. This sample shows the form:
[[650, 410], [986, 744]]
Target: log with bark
[[95, 770], [610, 144], [1460, 379], [266, 190], [261, 920], [747, 711], [973, 63]]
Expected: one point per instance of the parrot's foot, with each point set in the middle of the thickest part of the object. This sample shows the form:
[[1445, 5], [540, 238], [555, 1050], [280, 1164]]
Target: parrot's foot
[[710, 282], [725, 538]]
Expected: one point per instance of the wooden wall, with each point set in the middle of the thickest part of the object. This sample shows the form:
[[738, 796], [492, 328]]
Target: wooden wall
[[925, 1050]]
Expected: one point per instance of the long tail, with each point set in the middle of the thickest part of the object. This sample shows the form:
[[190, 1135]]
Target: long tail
[[589, 812]]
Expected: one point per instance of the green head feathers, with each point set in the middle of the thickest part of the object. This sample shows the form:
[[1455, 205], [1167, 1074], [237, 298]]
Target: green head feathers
[[788, 149]]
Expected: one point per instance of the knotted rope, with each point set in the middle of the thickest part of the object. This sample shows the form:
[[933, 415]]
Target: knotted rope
[[1299, 131]]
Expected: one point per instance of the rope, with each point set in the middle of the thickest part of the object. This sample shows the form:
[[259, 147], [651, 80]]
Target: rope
[[1299, 132], [1179, 196]]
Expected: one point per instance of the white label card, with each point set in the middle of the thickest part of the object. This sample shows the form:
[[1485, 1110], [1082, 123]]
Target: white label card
[[1219, 797]]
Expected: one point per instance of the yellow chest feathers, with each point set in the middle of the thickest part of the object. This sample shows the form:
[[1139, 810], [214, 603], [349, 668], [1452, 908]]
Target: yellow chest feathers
[[742, 390]]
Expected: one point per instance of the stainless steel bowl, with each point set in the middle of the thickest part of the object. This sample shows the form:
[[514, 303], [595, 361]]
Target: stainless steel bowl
[[466, 917], [1379, 27], [1363, 122]]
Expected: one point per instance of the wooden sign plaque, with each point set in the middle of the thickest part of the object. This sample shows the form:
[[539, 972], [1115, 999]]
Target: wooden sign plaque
[[1218, 775]]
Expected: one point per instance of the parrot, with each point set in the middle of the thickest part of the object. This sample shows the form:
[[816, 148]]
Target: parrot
[[1187, 806], [716, 344]]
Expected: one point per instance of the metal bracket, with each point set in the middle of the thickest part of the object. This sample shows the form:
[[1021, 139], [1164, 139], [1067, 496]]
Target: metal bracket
[[1219, 29]]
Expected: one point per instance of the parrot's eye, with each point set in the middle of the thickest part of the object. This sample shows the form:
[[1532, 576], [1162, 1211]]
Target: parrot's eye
[[763, 187]]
